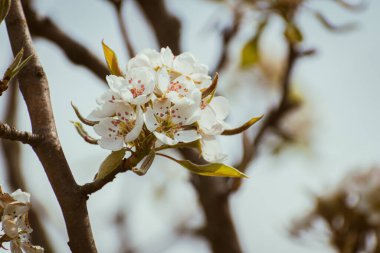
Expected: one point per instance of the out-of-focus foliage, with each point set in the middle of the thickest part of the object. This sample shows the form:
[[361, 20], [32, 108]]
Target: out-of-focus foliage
[[351, 213]]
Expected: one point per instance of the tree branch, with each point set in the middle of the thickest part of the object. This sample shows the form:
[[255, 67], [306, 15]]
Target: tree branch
[[35, 90], [11, 133], [96, 185], [12, 157], [118, 5], [45, 28], [166, 27]]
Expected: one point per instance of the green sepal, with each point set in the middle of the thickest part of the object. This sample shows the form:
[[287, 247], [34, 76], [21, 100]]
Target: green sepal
[[83, 119], [111, 59], [250, 54], [82, 132], [146, 164], [110, 163], [243, 127], [211, 89]]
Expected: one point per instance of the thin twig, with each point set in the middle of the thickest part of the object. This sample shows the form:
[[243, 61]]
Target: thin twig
[[98, 184], [118, 5], [11, 133]]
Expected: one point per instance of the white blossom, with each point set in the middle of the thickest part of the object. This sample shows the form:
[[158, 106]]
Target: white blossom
[[14, 220], [123, 128], [171, 123]]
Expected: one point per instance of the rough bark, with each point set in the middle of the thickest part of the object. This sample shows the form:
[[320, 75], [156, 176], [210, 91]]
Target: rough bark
[[35, 90]]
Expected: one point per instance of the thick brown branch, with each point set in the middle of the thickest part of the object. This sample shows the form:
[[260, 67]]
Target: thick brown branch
[[35, 90], [166, 27], [213, 196], [11, 133], [45, 28], [12, 158]]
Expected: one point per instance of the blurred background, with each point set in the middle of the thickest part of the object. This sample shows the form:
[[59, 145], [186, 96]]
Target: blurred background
[[308, 170]]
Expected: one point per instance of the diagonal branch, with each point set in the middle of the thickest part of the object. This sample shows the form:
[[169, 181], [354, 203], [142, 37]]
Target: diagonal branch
[[11, 133], [35, 90], [45, 28], [118, 5]]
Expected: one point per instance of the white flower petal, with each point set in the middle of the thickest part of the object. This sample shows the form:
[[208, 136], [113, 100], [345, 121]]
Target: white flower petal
[[163, 80], [165, 139], [221, 106], [211, 149], [111, 143], [167, 56], [135, 132], [124, 112], [23, 197], [154, 57], [10, 227], [184, 63], [161, 107], [150, 120], [186, 136], [208, 123], [140, 60], [116, 83], [106, 127]]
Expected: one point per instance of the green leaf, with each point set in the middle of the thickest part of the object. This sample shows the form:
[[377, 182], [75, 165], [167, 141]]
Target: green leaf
[[146, 164], [250, 54], [111, 59], [243, 127], [212, 169], [4, 9], [110, 163], [293, 33]]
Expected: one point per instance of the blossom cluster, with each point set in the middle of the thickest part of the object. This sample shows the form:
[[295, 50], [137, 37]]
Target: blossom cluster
[[16, 230], [161, 99]]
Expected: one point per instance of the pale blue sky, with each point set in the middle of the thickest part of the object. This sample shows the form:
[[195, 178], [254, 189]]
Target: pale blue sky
[[341, 83]]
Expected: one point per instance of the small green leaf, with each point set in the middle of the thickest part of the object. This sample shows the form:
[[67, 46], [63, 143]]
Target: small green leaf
[[110, 163], [111, 59], [4, 9], [212, 169], [146, 164], [293, 33], [16, 65], [211, 89], [243, 127], [250, 54], [83, 119]]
